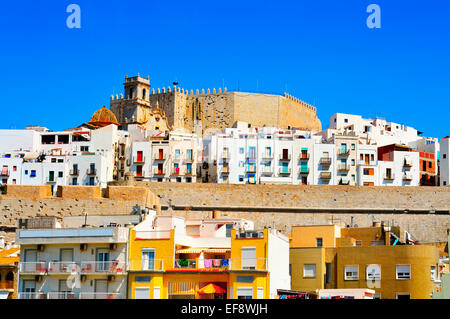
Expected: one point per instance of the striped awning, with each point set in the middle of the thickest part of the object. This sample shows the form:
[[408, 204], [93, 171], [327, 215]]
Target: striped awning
[[205, 250], [181, 288]]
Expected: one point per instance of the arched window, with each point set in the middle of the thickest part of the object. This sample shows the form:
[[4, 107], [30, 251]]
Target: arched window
[[143, 94], [10, 276]]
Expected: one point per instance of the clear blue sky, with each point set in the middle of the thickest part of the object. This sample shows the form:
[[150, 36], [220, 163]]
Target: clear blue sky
[[322, 51]]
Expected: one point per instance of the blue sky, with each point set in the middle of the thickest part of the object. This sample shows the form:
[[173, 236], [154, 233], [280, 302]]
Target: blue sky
[[320, 50]]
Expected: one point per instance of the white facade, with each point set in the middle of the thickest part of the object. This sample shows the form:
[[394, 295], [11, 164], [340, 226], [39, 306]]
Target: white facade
[[403, 170], [278, 262], [367, 165], [444, 161], [73, 263]]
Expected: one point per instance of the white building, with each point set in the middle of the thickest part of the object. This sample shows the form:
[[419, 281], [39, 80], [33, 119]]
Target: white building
[[398, 165], [73, 263], [444, 161]]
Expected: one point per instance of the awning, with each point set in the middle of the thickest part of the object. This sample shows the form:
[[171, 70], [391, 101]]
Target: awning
[[29, 156], [4, 295], [211, 289], [200, 250]]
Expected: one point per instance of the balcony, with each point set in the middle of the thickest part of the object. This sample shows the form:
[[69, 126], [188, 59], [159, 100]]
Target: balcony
[[343, 153], [284, 171], [100, 295], [50, 180], [343, 168], [344, 181], [251, 157], [226, 170], [33, 268], [189, 172], [303, 157], [407, 164], [63, 295], [267, 170], [4, 173], [62, 268], [325, 175], [326, 161], [176, 171], [185, 264], [189, 159], [249, 264], [159, 172], [225, 156], [267, 156], [74, 172], [146, 265], [250, 169], [32, 295], [304, 170], [203, 264], [389, 177], [91, 171], [159, 157], [103, 267], [6, 285], [284, 158], [137, 160], [407, 178]]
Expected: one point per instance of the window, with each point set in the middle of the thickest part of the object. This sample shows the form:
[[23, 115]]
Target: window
[[148, 259], [345, 120], [377, 242], [309, 270], [361, 157], [353, 147], [60, 174], [403, 296], [318, 242], [241, 178], [351, 273], [372, 157], [244, 293], [141, 293], [353, 162], [74, 181], [248, 257], [328, 273], [376, 296], [33, 173], [433, 272], [245, 279], [444, 156], [142, 279], [403, 272], [14, 168], [358, 243], [241, 150], [373, 272]]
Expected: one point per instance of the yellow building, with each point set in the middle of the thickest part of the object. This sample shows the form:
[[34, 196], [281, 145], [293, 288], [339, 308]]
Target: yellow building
[[9, 259], [173, 258], [381, 258]]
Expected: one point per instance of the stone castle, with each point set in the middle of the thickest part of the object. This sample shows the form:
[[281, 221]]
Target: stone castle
[[200, 112]]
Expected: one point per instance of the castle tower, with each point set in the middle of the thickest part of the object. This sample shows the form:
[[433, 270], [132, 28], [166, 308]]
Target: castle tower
[[134, 107]]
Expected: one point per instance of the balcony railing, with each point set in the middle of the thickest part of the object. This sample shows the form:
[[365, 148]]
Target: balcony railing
[[4, 173], [284, 171], [226, 170], [248, 264], [91, 171], [32, 295], [159, 157], [304, 170], [325, 175], [159, 172], [6, 284], [344, 182], [176, 171], [250, 169], [189, 158], [62, 268], [63, 295], [74, 172], [303, 157], [189, 172], [344, 167], [284, 158], [325, 161], [225, 155], [407, 178], [50, 179], [407, 164], [267, 170], [103, 267], [343, 152], [37, 268], [251, 156], [100, 295], [138, 160], [389, 177], [146, 265], [267, 156], [185, 263], [214, 264]]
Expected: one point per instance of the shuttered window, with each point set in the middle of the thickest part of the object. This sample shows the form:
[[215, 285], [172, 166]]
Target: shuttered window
[[403, 272], [248, 256], [351, 273]]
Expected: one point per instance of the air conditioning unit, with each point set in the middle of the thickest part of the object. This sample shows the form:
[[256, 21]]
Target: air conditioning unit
[[111, 277], [40, 247], [112, 246], [83, 246]]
